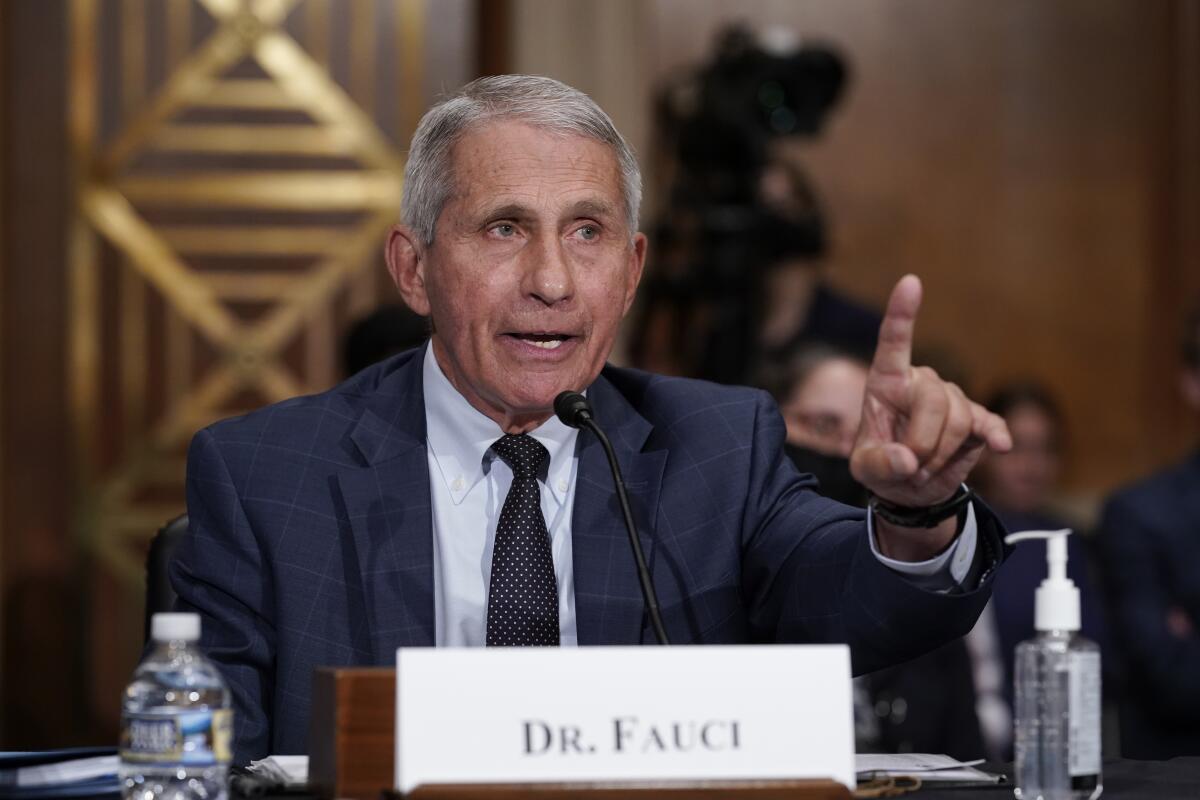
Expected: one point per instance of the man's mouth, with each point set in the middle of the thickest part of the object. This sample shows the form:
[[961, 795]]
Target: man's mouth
[[546, 341]]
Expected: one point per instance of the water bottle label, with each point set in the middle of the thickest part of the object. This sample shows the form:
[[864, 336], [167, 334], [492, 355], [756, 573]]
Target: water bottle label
[[192, 738], [1084, 734]]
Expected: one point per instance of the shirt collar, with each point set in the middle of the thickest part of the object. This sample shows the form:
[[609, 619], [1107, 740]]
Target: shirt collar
[[459, 436]]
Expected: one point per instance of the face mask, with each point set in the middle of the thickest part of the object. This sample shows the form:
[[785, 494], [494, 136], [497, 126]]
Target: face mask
[[832, 472]]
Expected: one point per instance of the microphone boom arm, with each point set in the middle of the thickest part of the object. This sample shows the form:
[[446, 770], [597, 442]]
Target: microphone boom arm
[[648, 594]]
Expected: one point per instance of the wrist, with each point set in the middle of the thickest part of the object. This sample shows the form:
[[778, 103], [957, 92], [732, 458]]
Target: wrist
[[914, 545], [919, 517], [910, 533]]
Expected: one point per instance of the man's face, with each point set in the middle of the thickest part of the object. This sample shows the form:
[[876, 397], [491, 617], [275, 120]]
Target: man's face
[[1023, 478], [531, 269], [1189, 384], [824, 411]]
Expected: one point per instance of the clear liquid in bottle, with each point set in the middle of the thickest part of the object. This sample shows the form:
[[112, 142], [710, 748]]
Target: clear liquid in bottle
[[1057, 718], [176, 722]]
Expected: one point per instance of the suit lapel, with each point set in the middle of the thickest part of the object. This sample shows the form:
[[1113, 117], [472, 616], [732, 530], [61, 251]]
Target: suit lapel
[[608, 600], [387, 505]]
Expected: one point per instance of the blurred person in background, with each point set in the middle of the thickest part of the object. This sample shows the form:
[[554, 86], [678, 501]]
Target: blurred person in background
[[798, 305], [926, 705], [386, 331], [1150, 550], [1019, 486], [738, 279], [820, 396]]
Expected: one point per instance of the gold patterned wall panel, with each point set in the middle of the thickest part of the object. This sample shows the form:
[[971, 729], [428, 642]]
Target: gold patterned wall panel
[[237, 163]]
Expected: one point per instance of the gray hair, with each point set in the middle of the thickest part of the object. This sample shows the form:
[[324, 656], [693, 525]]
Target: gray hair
[[542, 102]]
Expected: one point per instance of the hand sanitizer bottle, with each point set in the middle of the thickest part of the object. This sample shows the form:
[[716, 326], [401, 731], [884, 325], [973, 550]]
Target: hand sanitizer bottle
[[1057, 690]]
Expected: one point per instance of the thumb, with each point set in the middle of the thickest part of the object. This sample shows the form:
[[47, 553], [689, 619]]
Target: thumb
[[882, 463]]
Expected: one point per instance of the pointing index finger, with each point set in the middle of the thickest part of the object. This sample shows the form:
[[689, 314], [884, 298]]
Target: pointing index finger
[[893, 354]]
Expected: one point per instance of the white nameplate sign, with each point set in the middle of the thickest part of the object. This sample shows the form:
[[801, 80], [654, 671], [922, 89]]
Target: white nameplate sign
[[527, 715]]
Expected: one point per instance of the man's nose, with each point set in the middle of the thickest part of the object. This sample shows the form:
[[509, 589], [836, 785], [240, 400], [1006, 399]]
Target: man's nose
[[548, 275]]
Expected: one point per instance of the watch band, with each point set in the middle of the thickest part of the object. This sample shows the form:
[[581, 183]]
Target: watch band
[[922, 516]]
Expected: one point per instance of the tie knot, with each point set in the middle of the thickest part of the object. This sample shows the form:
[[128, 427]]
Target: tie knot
[[523, 454]]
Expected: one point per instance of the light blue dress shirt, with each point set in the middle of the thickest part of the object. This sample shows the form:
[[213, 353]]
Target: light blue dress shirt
[[468, 484]]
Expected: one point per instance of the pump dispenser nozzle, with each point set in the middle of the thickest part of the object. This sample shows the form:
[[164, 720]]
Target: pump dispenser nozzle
[[1056, 602]]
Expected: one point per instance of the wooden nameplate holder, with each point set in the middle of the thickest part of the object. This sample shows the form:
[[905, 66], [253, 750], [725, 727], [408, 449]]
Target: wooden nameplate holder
[[352, 732], [352, 755]]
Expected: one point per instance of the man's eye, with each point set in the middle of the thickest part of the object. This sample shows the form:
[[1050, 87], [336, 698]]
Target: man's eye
[[821, 424], [504, 229], [589, 232]]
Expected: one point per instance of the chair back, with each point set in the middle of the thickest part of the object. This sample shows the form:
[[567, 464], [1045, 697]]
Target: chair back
[[160, 596]]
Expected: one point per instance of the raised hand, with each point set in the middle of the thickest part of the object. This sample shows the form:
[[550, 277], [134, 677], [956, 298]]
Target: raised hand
[[920, 436]]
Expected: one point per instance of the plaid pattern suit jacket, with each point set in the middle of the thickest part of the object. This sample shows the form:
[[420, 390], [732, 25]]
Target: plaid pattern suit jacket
[[311, 539]]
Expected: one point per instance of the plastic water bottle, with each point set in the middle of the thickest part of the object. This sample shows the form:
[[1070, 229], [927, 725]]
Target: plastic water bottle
[[1057, 691], [176, 722]]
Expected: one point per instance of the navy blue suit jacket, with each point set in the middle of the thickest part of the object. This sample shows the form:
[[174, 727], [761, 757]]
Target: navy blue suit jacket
[[311, 539], [1150, 548]]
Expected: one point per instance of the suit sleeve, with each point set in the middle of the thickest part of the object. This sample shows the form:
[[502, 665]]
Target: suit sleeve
[[1163, 666], [220, 573], [811, 576]]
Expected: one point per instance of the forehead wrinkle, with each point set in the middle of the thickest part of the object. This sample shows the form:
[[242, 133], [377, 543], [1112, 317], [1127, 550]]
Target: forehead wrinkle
[[490, 183], [523, 204]]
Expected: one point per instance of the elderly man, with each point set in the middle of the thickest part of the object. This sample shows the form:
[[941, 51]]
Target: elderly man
[[434, 499]]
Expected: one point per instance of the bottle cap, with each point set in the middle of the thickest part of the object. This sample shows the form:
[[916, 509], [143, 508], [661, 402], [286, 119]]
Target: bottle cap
[[1056, 602], [175, 627]]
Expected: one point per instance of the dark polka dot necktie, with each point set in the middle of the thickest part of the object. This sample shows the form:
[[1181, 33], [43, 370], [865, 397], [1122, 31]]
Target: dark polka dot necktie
[[523, 596]]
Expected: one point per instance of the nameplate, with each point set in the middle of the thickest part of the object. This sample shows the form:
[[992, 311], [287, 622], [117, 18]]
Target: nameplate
[[531, 715]]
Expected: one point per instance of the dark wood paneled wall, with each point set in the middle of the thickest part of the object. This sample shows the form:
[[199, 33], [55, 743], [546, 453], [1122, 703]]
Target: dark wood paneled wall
[[71, 627], [42, 669], [1036, 164]]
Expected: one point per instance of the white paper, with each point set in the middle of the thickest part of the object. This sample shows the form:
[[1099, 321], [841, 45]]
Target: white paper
[[963, 774], [62, 772], [524, 715], [287, 770], [926, 766]]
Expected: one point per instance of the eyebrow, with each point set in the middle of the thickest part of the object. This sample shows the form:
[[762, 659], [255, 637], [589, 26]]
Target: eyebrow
[[583, 208], [592, 208], [507, 211]]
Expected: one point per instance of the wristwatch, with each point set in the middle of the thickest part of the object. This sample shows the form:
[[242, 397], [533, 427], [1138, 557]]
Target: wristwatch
[[922, 516]]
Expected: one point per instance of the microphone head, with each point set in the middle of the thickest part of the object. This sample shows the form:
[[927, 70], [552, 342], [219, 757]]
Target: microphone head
[[572, 408]]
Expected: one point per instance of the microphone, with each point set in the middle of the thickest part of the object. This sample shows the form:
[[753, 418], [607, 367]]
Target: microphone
[[574, 410]]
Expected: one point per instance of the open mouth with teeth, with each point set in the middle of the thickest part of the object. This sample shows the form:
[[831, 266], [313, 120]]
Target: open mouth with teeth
[[546, 341]]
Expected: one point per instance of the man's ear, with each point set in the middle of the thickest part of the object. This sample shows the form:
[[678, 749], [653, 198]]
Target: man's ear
[[637, 263], [406, 264]]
